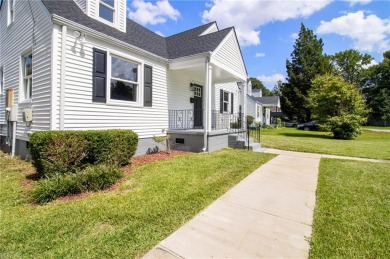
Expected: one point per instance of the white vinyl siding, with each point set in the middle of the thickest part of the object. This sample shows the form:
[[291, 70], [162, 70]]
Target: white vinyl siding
[[15, 40], [179, 92], [82, 4], [82, 113], [1, 81], [229, 56]]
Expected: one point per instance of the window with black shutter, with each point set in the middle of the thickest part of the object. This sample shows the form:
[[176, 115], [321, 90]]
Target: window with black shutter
[[148, 79], [99, 75], [231, 103], [224, 101]]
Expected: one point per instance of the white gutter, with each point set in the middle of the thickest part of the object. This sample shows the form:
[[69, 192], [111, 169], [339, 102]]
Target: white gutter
[[62, 82], [104, 37]]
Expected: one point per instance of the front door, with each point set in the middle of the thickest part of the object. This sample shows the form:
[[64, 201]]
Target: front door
[[198, 107]]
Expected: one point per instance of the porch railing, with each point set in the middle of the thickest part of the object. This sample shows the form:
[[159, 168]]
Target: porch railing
[[193, 119]]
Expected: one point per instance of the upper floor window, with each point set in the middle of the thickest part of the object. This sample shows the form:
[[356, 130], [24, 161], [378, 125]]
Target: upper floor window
[[11, 10], [124, 79], [107, 10], [27, 75], [1, 80]]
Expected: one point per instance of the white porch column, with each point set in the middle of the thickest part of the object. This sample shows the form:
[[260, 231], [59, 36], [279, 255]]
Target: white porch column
[[245, 97], [207, 106]]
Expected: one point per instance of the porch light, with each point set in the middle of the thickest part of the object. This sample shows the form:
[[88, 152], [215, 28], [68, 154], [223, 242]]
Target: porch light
[[192, 87], [239, 85]]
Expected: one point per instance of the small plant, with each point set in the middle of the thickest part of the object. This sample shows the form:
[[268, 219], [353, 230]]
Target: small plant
[[93, 178], [250, 119], [278, 122], [164, 140]]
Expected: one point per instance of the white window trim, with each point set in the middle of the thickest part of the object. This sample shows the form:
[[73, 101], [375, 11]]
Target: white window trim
[[114, 9], [10, 19], [2, 80], [140, 96], [224, 101], [23, 94]]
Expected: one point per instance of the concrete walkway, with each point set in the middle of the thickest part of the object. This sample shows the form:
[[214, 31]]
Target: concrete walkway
[[312, 155], [267, 215]]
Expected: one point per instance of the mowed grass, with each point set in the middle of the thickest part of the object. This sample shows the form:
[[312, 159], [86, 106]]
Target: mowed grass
[[151, 203], [377, 127], [369, 144], [352, 215]]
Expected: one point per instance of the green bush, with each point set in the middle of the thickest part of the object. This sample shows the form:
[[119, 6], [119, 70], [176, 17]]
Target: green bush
[[345, 127], [60, 152], [92, 178], [279, 122], [249, 119]]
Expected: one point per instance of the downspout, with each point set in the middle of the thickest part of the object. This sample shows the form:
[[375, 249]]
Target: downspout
[[62, 82]]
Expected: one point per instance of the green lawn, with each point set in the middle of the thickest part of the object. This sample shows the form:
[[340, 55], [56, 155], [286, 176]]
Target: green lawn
[[369, 144], [352, 215], [376, 127], [151, 203]]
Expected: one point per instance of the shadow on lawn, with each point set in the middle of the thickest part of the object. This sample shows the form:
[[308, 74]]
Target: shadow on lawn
[[307, 135]]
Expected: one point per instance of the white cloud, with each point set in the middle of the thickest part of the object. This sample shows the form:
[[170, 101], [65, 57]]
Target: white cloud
[[373, 62], [159, 33], [354, 2], [294, 35], [248, 17], [368, 33], [149, 13], [259, 54], [271, 80]]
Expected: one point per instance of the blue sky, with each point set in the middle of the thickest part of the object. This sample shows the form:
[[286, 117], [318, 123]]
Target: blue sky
[[267, 28]]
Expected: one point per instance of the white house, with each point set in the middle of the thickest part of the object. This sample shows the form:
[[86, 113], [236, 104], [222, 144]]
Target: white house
[[81, 64]]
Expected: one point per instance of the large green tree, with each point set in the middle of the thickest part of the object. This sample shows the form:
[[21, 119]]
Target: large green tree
[[257, 84], [375, 85], [337, 104], [307, 61], [349, 64]]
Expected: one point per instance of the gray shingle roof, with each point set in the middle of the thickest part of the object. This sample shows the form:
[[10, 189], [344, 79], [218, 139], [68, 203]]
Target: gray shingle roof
[[179, 45], [268, 100]]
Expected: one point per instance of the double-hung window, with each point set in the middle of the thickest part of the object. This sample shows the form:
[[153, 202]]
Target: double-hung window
[[107, 10], [27, 75], [1, 80], [124, 80], [225, 101]]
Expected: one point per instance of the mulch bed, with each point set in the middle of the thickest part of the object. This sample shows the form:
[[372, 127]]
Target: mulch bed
[[135, 162]]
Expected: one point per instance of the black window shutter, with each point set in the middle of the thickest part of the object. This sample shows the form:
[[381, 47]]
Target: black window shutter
[[148, 76], [231, 102], [221, 101], [99, 75]]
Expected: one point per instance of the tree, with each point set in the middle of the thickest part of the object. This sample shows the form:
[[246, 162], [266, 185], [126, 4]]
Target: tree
[[307, 61], [276, 90], [257, 84], [380, 105], [375, 85], [338, 105], [349, 64]]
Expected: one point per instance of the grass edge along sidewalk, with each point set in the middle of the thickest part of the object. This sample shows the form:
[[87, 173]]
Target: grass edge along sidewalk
[[351, 218], [149, 204], [369, 144]]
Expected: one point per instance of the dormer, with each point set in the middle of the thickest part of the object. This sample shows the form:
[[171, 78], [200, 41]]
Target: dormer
[[110, 12]]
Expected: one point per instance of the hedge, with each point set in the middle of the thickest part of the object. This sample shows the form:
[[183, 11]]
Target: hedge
[[61, 152], [93, 178]]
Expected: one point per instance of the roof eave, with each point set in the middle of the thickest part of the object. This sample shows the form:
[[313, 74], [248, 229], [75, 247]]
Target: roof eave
[[63, 21]]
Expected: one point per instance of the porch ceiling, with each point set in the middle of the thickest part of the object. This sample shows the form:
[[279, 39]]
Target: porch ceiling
[[197, 68]]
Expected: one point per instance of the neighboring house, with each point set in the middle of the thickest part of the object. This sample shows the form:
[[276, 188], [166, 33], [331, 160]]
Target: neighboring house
[[77, 65], [271, 106]]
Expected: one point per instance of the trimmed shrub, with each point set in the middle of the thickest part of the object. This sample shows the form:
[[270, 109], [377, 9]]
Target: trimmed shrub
[[250, 119], [60, 152], [92, 178]]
